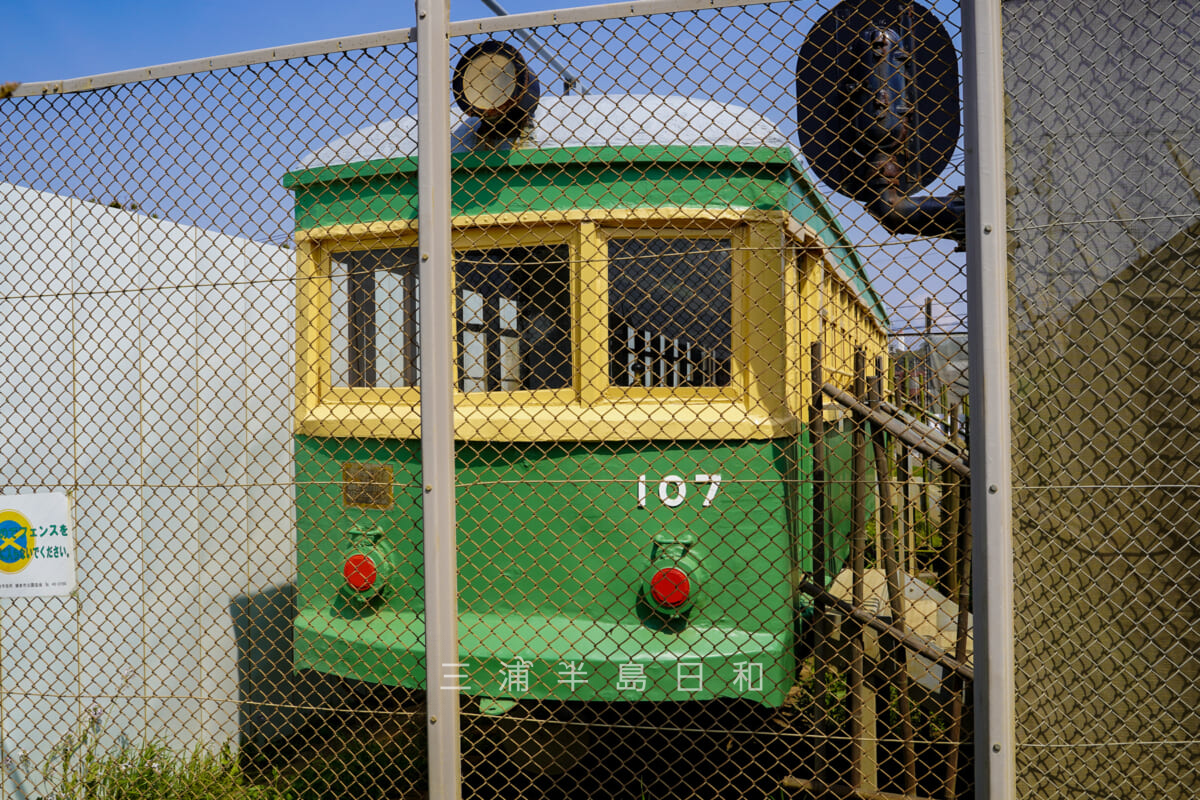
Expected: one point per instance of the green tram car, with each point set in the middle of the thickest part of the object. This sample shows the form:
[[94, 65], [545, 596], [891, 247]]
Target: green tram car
[[638, 279]]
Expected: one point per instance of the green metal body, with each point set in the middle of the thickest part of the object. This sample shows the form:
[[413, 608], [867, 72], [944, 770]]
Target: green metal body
[[553, 549]]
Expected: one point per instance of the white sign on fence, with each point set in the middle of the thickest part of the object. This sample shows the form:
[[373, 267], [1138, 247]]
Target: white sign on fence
[[37, 545]]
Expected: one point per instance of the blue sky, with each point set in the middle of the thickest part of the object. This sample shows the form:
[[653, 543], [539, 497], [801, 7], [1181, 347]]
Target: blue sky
[[56, 39], [61, 39]]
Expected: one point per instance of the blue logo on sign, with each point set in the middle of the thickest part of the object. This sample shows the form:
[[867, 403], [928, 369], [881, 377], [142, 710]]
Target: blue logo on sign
[[16, 542]]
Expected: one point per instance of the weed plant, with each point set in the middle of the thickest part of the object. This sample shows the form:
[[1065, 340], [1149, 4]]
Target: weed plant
[[81, 770]]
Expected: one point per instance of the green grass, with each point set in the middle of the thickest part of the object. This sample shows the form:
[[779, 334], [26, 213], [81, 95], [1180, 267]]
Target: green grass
[[153, 772], [90, 763]]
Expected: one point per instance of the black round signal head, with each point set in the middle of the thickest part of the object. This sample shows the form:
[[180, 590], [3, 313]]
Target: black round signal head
[[829, 122]]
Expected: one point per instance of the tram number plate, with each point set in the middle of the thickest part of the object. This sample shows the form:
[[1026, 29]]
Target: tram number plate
[[673, 489]]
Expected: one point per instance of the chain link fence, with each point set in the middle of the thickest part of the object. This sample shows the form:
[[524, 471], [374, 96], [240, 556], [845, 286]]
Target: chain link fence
[[710, 423], [1104, 192]]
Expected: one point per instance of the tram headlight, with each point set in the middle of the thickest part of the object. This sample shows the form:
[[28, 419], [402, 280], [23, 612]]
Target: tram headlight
[[493, 82]]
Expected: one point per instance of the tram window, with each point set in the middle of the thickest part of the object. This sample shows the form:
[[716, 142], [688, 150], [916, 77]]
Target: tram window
[[514, 319], [375, 306], [670, 312]]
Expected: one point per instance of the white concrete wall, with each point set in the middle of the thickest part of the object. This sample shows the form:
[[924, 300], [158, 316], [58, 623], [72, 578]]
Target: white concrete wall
[[146, 368]]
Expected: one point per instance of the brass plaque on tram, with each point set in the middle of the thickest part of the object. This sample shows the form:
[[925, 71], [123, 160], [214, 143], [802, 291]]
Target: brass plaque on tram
[[367, 485]]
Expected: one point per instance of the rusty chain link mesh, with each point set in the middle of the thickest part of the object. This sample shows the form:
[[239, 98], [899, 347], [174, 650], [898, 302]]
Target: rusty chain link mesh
[[1104, 189], [689, 566]]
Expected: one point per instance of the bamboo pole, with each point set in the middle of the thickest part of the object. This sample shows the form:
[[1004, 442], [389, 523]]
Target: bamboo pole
[[905, 477], [887, 541], [952, 489], [899, 382], [816, 430], [928, 441], [946, 562], [907, 640], [858, 545], [960, 651], [925, 408]]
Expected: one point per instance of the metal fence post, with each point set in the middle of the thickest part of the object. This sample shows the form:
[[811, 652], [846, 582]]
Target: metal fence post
[[437, 411], [991, 490]]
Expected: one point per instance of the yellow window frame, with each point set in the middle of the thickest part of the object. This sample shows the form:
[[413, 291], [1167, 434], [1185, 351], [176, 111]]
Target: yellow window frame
[[591, 409], [323, 407]]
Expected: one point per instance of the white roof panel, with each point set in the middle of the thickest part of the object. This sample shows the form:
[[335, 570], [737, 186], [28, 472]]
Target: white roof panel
[[577, 121]]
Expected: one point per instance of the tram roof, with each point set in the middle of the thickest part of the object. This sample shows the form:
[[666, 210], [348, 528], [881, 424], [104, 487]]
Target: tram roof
[[609, 121], [637, 120]]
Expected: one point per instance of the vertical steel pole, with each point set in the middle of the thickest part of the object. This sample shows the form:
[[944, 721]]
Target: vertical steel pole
[[443, 670], [991, 487]]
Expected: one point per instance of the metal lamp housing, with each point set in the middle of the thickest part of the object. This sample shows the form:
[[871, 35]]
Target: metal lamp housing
[[493, 83]]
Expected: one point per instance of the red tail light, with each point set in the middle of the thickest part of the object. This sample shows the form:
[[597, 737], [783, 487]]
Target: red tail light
[[670, 587], [360, 572]]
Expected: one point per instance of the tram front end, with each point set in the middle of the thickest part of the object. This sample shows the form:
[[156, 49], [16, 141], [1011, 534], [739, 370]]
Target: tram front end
[[633, 305]]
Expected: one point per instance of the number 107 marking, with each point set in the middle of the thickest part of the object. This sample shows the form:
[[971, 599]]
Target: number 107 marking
[[672, 490]]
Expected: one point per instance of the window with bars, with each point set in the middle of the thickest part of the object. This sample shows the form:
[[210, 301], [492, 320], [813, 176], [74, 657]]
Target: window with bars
[[670, 312], [670, 316]]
